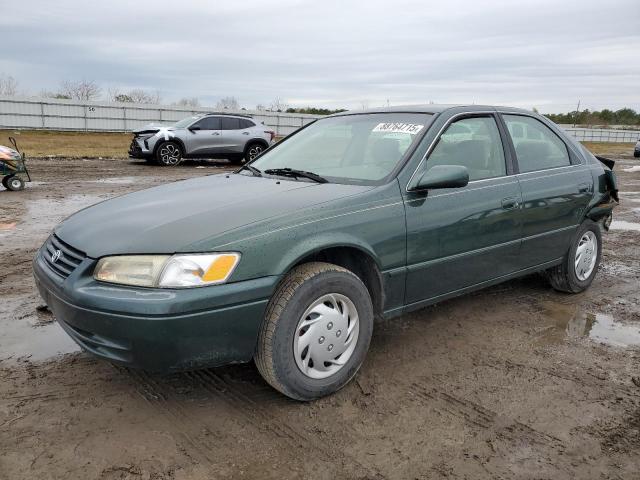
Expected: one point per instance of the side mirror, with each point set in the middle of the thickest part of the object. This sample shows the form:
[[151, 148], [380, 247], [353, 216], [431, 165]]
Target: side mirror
[[194, 129], [443, 176]]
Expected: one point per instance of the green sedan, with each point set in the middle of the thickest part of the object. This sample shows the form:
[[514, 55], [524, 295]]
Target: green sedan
[[357, 216]]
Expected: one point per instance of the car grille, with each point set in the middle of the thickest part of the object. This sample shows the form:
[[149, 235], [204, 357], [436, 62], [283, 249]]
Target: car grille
[[63, 263]]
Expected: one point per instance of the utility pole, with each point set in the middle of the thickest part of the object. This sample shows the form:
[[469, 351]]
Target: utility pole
[[577, 112]]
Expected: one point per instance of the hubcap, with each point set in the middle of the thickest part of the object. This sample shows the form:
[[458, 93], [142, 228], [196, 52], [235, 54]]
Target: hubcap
[[254, 151], [586, 255], [326, 336], [170, 154]]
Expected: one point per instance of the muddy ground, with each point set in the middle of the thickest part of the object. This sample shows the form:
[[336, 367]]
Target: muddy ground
[[516, 381]]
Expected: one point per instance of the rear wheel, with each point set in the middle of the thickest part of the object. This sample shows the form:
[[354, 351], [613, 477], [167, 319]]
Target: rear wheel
[[13, 183], [316, 332], [253, 150], [169, 154], [580, 265]]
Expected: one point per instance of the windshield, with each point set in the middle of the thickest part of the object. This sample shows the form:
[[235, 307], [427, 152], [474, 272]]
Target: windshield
[[352, 148], [186, 121]]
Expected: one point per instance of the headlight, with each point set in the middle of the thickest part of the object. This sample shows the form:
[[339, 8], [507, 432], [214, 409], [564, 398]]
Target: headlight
[[177, 271]]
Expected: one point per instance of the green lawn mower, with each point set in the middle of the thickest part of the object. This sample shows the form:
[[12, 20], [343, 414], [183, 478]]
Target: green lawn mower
[[13, 167]]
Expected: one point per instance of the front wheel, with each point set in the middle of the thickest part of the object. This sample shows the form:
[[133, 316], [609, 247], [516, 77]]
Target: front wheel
[[316, 332], [13, 183], [169, 154], [579, 267]]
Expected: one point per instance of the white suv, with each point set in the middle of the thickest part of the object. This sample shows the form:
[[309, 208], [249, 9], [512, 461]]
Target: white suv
[[238, 138]]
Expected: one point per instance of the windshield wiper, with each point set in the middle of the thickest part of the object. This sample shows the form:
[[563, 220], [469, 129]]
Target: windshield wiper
[[254, 170], [292, 172]]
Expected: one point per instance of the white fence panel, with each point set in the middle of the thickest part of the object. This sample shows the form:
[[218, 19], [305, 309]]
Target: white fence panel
[[53, 114]]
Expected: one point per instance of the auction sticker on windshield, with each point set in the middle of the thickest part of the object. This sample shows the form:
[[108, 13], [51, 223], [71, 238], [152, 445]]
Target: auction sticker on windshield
[[411, 128]]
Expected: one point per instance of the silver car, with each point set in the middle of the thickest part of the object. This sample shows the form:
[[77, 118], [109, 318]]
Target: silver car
[[238, 138]]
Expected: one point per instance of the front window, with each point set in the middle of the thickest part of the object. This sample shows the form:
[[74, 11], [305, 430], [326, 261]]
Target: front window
[[362, 148], [185, 122], [473, 143]]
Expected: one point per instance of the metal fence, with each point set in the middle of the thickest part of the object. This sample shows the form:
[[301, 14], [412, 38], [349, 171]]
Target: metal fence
[[602, 134], [53, 114]]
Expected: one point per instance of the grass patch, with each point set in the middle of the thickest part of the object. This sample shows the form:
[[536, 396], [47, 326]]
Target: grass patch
[[43, 143], [609, 148]]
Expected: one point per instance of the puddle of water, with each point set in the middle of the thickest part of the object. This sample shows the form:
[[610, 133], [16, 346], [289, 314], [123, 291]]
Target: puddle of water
[[571, 322], [635, 168], [624, 225], [25, 338]]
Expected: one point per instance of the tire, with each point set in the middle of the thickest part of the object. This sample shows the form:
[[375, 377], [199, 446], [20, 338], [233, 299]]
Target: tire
[[280, 354], [168, 154], [253, 150], [571, 278], [13, 183]]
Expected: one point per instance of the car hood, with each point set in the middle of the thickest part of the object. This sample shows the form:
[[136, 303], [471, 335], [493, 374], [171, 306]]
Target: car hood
[[152, 128], [171, 217]]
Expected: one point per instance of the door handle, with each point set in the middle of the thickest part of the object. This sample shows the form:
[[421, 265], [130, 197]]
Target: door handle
[[215, 133], [510, 203], [245, 133], [584, 187]]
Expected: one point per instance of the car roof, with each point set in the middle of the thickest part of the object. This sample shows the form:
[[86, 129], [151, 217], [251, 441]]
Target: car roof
[[226, 114], [433, 108]]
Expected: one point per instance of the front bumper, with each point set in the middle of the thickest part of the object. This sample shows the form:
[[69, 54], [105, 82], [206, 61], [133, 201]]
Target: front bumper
[[154, 329], [140, 148]]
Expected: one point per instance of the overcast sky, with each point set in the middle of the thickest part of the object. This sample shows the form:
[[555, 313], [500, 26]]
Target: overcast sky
[[546, 54]]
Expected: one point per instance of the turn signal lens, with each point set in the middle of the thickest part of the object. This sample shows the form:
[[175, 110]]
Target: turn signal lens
[[198, 270]]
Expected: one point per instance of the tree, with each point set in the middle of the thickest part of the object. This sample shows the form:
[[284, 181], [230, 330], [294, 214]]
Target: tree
[[8, 85], [260, 107], [137, 95], [192, 102], [84, 90], [278, 105], [228, 103], [51, 94]]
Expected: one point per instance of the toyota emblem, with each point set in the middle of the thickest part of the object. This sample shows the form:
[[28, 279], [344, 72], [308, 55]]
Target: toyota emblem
[[55, 256]]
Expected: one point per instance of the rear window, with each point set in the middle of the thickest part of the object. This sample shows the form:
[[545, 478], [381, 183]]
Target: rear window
[[230, 124], [246, 123]]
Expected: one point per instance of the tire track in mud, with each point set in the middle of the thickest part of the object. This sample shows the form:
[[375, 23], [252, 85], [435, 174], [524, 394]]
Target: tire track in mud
[[250, 408], [180, 420], [484, 419], [256, 413]]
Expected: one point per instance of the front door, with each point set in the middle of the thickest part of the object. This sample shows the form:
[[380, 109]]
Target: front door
[[556, 189], [460, 237], [205, 138]]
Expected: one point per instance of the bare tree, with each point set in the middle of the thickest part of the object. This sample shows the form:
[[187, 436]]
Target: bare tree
[[192, 102], [137, 95], [8, 86], [141, 96], [278, 105], [51, 94], [260, 107], [80, 90], [228, 103]]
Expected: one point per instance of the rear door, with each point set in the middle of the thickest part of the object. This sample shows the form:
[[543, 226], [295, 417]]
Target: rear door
[[205, 138], [460, 237], [556, 188]]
